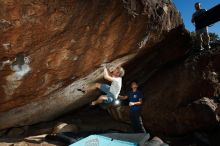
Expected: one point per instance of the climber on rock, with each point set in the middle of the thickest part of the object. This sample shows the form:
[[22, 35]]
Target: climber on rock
[[201, 34], [135, 102], [111, 91]]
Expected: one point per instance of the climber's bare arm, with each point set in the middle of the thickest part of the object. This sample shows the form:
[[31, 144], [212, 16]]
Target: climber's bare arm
[[123, 97], [107, 76]]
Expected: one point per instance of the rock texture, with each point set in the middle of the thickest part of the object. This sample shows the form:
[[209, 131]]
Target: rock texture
[[80, 120], [180, 96], [49, 48]]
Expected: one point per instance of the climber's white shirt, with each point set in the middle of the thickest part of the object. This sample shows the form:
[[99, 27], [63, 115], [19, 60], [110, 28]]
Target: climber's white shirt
[[115, 87]]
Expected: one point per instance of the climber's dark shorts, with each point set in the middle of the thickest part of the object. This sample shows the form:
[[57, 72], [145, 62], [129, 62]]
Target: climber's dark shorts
[[106, 89]]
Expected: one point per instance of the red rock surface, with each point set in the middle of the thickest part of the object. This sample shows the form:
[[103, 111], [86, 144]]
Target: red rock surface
[[63, 42], [48, 49]]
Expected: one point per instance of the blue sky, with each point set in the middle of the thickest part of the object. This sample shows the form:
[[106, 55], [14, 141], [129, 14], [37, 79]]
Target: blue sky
[[186, 8]]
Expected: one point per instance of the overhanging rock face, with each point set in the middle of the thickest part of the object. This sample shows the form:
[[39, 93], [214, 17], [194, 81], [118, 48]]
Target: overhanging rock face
[[182, 97], [49, 48], [181, 93]]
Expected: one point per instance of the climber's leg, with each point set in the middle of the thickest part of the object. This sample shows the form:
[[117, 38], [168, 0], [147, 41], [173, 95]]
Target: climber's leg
[[100, 100], [90, 87], [109, 98], [93, 87]]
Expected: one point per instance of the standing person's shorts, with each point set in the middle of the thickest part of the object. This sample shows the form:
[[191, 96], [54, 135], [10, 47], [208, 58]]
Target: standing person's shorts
[[106, 89]]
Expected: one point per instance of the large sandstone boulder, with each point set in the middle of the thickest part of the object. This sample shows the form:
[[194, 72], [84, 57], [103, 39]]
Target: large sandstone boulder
[[49, 48]]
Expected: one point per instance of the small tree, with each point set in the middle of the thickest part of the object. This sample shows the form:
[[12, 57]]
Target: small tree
[[213, 36]]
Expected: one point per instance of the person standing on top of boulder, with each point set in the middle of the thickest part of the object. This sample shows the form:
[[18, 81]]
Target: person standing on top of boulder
[[112, 91], [201, 34], [135, 102]]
